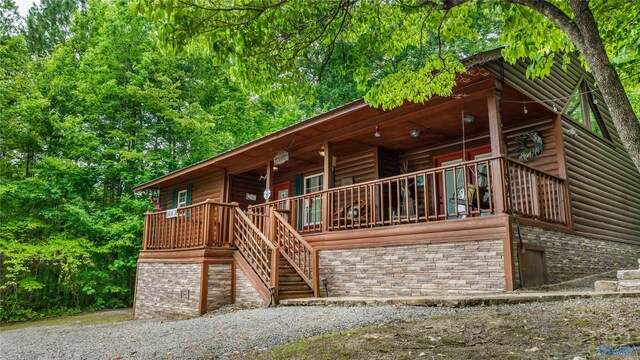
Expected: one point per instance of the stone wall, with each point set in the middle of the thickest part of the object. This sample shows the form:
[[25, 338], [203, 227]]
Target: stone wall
[[460, 267], [167, 290], [219, 286], [246, 294], [571, 256]]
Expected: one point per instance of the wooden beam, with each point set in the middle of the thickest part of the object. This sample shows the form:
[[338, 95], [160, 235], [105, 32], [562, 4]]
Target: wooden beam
[[495, 122], [497, 148], [269, 176], [204, 289], [326, 182], [328, 165], [507, 249]]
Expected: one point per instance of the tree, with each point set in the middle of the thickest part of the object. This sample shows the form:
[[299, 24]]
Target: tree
[[268, 41], [49, 24]]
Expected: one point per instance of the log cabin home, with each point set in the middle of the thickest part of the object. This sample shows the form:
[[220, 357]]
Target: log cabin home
[[508, 183]]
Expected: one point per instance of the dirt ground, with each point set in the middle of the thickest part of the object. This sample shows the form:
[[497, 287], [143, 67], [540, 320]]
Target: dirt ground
[[87, 318], [573, 329]]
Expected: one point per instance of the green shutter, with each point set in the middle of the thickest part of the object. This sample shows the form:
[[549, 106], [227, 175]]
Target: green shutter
[[174, 201], [297, 189], [189, 194]]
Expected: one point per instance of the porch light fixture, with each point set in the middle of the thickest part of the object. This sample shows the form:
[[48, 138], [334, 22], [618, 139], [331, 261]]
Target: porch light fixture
[[275, 168], [321, 152], [415, 133], [468, 118], [377, 133]]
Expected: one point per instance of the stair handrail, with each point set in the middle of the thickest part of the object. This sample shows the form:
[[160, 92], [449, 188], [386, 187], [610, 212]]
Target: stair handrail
[[255, 248], [295, 249]]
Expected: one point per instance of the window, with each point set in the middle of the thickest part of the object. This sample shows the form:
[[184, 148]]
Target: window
[[182, 198], [582, 108], [312, 207]]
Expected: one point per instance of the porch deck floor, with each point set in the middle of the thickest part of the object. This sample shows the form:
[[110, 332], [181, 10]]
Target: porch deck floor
[[459, 300]]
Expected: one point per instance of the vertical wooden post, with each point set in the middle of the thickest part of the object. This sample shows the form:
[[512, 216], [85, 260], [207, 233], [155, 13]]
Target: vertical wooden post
[[327, 176], [207, 225], [564, 203], [497, 148], [204, 288], [269, 176], [316, 274], [271, 227], [275, 254], [231, 213], [145, 236]]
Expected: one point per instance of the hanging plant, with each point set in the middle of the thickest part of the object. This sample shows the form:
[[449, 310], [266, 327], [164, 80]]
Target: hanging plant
[[529, 145]]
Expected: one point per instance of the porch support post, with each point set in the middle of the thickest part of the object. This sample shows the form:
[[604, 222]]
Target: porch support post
[[497, 148], [328, 165], [327, 175], [269, 176]]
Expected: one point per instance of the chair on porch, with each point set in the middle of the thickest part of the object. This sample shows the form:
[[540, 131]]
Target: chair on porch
[[473, 193], [352, 213]]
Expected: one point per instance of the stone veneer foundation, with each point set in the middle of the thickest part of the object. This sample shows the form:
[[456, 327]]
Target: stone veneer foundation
[[172, 290], [167, 290], [570, 256], [219, 286], [414, 270], [246, 294]]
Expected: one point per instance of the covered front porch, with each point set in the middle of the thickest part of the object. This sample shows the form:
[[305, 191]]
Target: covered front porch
[[360, 168]]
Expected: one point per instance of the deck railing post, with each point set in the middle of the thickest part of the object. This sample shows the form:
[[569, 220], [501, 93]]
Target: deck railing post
[[316, 274], [275, 267], [324, 218], [145, 237], [498, 182]]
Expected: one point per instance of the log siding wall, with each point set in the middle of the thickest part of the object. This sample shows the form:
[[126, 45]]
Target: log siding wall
[[209, 186], [604, 184]]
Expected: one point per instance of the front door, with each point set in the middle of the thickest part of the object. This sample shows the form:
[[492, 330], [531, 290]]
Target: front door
[[281, 191]]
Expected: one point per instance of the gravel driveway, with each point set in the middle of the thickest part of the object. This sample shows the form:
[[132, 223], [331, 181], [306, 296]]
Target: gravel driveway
[[216, 335]]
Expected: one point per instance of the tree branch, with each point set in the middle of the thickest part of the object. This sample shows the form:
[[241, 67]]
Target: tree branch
[[553, 13]]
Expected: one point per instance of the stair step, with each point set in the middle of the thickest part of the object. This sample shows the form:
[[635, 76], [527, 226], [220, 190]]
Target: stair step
[[289, 274], [293, 287], [283, 295], [628, 275]]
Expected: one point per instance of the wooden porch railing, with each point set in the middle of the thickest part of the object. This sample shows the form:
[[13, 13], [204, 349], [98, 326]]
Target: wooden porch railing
[[447, 192], [295, 249], [533, 193], [441, 193], [259, 253], [204, 224]]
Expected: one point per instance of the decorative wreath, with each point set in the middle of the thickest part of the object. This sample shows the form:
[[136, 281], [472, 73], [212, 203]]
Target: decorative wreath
[[529, 145]]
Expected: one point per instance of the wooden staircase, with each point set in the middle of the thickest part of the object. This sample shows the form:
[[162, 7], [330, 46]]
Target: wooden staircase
[[290, 284], [276, 254]]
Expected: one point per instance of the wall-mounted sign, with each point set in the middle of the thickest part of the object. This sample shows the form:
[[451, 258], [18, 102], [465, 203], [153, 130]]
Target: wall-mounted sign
[[171, 213], [251, 197], [267, 193], [281, 157]]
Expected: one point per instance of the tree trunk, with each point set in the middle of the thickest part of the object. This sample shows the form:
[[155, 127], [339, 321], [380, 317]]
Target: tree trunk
[[595, 55]]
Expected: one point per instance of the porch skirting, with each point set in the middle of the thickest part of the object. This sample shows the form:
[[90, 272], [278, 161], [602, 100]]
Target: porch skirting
[[570, 256], [171, 288], [415, 270], [167, 290]]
